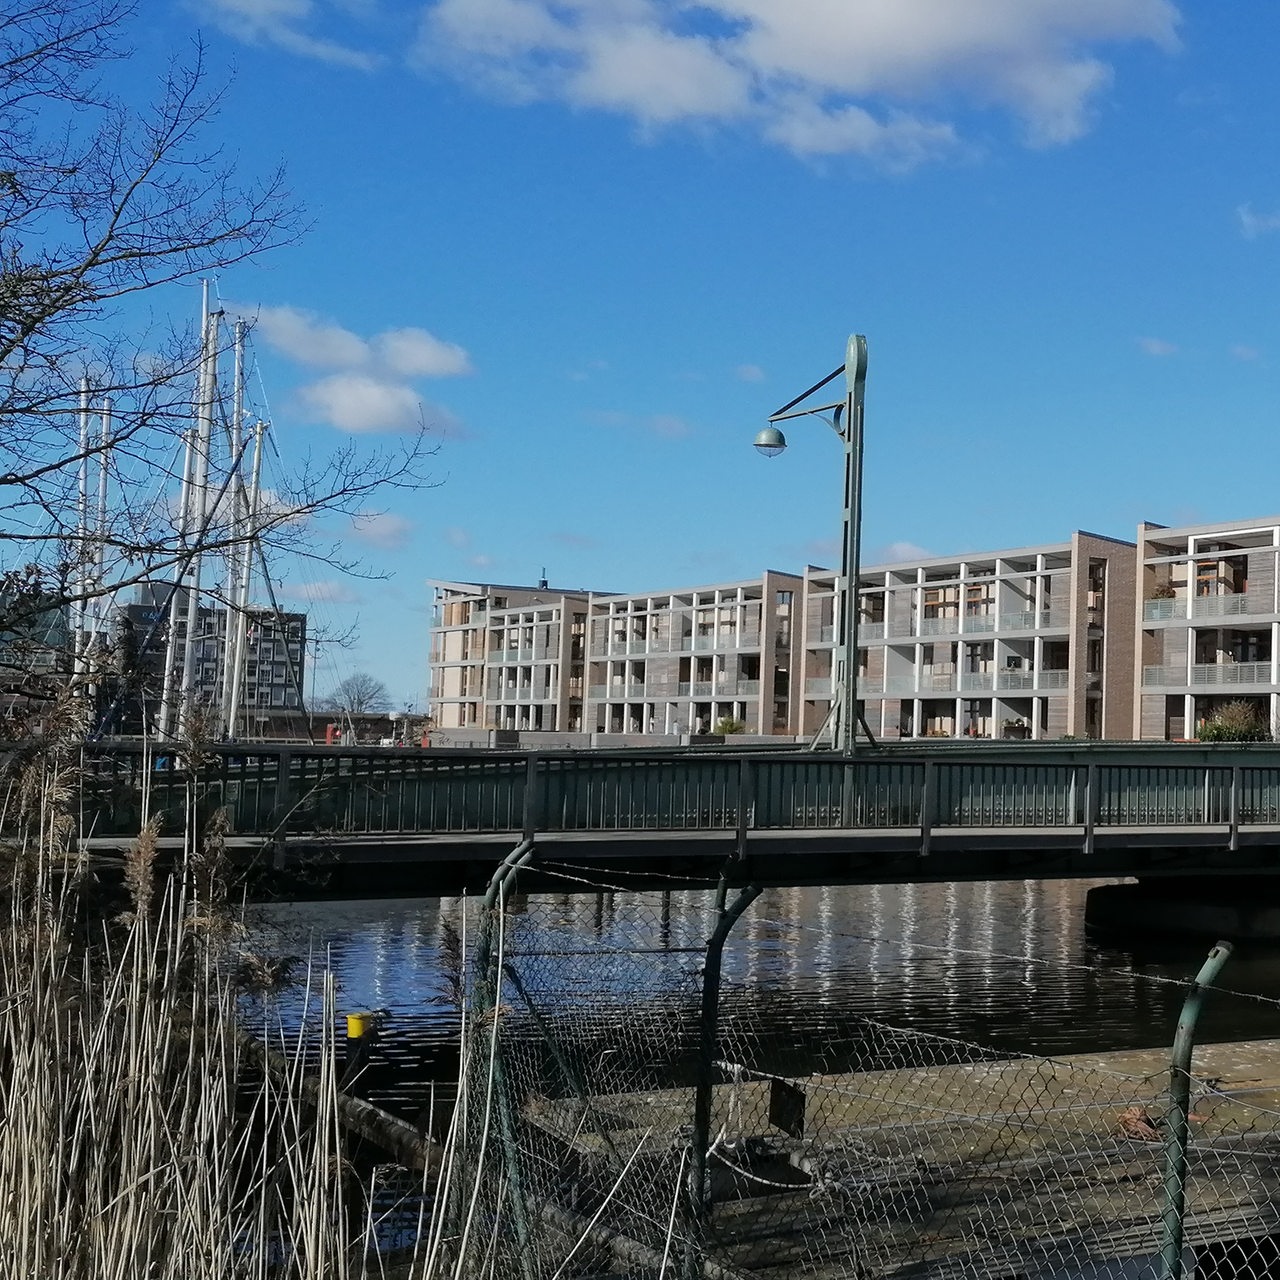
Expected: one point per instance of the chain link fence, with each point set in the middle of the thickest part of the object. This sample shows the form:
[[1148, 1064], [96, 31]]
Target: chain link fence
[[622, 1113]]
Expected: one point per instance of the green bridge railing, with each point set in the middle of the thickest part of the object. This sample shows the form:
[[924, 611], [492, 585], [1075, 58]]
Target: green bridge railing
[[282, 791]]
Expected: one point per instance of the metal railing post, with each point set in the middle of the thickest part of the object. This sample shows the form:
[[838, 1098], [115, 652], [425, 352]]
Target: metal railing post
[[928, 799], [746, 806], [532, 807], [284, 806], [1092, 803], [1234, 843], [1176, 1123]]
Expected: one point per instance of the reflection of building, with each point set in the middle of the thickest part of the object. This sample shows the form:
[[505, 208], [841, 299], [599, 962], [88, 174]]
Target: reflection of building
[[270, 683], [1032, 642], [1209, 628]]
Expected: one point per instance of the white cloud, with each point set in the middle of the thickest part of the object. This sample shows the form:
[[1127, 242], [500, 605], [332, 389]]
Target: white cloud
[[898, 553], [415, 353], [371, 388], [1157, 347], [362, 403], [281, 22], [1253, 225], [320, 592], [382, 528], [749, 373], [1242, 351], [307, 338], [816, 76]]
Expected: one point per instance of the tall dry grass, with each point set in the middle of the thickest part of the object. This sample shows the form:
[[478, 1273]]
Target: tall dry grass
[[137, 1139], [141, 1135]]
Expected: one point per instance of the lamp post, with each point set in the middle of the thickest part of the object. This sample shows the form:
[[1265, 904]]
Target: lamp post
[[846, 422]]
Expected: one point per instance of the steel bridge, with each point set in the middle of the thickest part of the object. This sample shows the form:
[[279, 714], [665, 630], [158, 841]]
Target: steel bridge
[[368, 821]]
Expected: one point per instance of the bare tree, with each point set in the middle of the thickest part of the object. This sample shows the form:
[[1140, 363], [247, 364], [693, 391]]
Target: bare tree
[[100, 203], [359, 694]]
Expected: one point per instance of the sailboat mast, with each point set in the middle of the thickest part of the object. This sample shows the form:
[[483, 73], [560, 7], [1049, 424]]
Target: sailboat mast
[[240, 530], [98, 606], [82, 512], [200, 504], [238, 654], [165, 724]]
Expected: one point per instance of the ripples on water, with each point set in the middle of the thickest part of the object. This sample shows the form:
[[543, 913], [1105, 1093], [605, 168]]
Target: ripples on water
[[1003, 965]]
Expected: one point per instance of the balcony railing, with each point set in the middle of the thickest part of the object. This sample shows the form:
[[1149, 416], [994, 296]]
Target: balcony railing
[[1232, 605], [1213, 673], [868, 630], [971, 681], [1229, 606], [819, 687], [1160, 610], [1209, 674], [613, 692], [937, 626]]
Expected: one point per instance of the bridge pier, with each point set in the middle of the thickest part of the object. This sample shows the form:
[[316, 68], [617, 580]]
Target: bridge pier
[[1240, 908]]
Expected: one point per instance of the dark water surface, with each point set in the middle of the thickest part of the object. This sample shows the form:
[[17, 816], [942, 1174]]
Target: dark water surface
[[1005, 966]]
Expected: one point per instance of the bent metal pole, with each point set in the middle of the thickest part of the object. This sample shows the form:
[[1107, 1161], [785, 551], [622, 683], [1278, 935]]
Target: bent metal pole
[[1177, 1120]]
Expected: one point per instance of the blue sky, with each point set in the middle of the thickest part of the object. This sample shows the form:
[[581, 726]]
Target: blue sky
[[598, 241]]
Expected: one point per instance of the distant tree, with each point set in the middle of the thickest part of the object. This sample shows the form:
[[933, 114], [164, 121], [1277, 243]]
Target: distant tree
[[359, 694]]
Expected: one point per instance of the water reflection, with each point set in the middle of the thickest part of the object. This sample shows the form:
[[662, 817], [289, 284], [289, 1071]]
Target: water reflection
[[1004, 965]]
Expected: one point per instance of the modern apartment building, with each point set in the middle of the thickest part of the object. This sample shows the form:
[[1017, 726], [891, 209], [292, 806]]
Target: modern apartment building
[[669, 662], [1208, 630], [274, 670], [684, 661], [508, 657], [1032, 642]]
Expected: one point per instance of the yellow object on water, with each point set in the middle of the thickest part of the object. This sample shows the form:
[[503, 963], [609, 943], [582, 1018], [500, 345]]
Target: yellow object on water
[[359, 1025]]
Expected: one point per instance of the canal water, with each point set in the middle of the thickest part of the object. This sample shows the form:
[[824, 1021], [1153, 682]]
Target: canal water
[[1006, 966]]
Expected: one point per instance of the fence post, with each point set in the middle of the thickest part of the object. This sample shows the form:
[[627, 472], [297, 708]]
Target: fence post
[[488, 1002], [1176, 1120], [699, 1200]]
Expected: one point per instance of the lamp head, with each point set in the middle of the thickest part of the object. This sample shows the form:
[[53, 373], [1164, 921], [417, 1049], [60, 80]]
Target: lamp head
[[770, 441]]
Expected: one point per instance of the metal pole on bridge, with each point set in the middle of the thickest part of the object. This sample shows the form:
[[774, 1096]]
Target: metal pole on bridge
[[847, 422]]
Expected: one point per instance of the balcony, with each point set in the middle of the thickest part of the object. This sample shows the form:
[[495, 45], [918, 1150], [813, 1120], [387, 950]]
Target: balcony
[[616, 692], [1209, 674], [819, 687], [1232, 605], [976, 681], [1162, 610], [868, 630], [826, 635], [938, 626], [1218, 673]]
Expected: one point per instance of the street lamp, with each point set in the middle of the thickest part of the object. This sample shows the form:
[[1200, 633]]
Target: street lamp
[[846, 422]]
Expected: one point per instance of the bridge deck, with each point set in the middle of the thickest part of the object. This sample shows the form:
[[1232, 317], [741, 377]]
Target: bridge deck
[[952, 812]]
